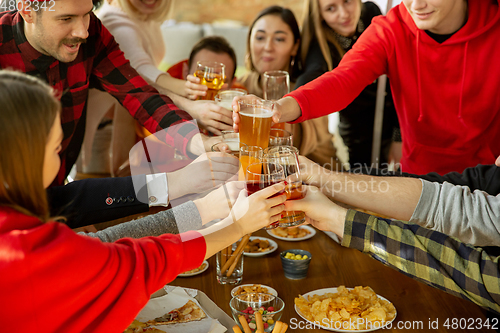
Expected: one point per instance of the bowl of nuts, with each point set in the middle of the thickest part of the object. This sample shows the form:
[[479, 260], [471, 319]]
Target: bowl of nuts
[[247, 305], [295, 263]]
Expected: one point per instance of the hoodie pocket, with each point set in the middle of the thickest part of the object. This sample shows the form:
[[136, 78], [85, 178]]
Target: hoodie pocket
[[423, 159]]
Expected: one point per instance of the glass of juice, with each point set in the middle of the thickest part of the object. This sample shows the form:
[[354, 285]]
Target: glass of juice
[[288, 158], [212, 74], [248, 155], [261, 175], [255, 122]]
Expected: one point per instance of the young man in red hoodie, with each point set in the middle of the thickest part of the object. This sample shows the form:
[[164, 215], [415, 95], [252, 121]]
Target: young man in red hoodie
[[441, 59]]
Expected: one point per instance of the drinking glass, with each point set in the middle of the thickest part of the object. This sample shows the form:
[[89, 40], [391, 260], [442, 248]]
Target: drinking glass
[[248, 155], [288, 158], [212, 74], [280, 137], [255, 122], [275, 85], [225, 98], [229, 265], [261, 175], [229, 147]]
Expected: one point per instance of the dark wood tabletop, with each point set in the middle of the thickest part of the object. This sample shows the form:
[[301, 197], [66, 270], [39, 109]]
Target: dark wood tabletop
[[417, 304]]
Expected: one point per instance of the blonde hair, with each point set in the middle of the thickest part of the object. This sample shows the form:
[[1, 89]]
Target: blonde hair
[[314, 27], [28, 110], [160, 14]]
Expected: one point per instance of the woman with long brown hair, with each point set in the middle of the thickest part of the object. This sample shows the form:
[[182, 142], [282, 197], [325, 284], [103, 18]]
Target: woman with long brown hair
[[54, 280], [330, 29], [273, 43]]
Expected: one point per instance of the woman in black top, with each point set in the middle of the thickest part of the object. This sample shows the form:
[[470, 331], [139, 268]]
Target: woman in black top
[[330, 29]]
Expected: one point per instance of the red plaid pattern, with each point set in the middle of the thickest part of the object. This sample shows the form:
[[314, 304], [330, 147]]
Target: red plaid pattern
[[100, 64]]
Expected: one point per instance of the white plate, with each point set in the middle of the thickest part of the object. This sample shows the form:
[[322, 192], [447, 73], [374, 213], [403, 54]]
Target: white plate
[[311, 233], [270, 290], [320, 292], [272, 247], [195, 273]]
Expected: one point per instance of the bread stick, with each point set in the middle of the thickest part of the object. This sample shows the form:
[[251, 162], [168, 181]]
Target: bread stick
[[258, 321], [244, 324], [284, 327], [277, 327], [236, 329], [230, 261], [236, 256]]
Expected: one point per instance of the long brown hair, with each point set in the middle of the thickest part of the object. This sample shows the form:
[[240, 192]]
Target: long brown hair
[[314, 27], [28, 110]]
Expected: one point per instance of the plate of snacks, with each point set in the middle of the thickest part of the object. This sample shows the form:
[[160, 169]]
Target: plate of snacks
[[260, 246], [343, 309], [293, 234], [203, 267], [253, 288]]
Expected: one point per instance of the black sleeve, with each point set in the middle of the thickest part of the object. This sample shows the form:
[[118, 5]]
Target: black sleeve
[[315, 65], [96, 200], [482, 177]]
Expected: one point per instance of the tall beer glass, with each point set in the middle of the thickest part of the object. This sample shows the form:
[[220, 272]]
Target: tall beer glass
[[261, 175], [212, 74], [255, 122], [275, 85], [288, 158]]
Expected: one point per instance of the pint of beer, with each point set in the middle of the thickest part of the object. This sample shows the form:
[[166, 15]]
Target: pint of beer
[[255, 122], [212, 74]]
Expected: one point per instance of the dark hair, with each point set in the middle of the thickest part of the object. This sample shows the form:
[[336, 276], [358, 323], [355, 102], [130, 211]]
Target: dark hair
[[215, 44], [286, 16], [97, 3]]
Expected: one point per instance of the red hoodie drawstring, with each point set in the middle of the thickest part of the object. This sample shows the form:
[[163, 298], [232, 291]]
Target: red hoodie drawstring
[[463, 84]]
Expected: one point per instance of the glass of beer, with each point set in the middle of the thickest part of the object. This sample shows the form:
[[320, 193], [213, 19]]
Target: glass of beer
[[212, 74], [280, 137], [288, 158], [275, 85], [228, 147], [248, 155], [225, 98], [261, 175], [255, 122]]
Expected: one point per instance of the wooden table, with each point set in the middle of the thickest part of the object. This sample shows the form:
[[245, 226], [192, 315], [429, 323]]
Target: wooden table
[[333, 265]]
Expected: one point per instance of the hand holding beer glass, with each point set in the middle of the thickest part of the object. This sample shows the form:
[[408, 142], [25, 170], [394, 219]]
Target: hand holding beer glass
[[288, 158], [211, 74], [275, 85], [255, 122]]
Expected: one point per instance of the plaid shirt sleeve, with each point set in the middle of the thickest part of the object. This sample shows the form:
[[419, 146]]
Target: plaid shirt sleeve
[[154, 111], [428, 256]]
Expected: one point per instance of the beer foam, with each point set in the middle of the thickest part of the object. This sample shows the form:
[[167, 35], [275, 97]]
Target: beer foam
[[262, 113]]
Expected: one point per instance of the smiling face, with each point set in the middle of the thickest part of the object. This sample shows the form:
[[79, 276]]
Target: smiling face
[[272, 44], [59, 32], [341, 15], [146, 7], [438, 16]]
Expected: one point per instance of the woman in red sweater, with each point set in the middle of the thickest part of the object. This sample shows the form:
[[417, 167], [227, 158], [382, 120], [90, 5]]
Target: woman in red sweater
[[441, 59], [53, 280]]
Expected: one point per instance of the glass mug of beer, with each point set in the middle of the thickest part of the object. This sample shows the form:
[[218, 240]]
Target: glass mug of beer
[[212, 74], [261, 175], [275, 85], [288, 158], [255, 122]]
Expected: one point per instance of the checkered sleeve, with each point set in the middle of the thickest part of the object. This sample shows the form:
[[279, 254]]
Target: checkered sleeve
[[428, 256], [154, 111]]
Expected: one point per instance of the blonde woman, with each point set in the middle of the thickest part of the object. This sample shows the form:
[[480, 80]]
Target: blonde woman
[[273, 43], [330, 29]]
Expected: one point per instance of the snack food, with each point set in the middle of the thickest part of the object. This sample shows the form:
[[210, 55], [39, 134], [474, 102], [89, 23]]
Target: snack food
[[292, 256], [290, 232], [188, 312], [257, 245], [256, 288], [196, 270], [140, 327], [354, 309]]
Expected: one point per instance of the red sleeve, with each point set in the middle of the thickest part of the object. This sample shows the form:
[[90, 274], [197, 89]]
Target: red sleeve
[[335, 90]]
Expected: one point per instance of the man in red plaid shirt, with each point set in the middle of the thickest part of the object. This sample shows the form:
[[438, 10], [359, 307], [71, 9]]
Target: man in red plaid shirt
[[63, 43]]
